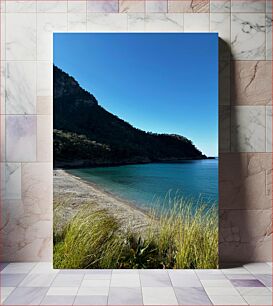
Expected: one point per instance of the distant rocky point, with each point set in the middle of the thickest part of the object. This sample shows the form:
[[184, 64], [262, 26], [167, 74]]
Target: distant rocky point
[[86, 135]]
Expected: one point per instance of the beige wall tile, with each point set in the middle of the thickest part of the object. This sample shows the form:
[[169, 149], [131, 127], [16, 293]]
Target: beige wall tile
[[44, 138], [188, 6], [131, 6], [251, 83], [243, 181], [245, 236]]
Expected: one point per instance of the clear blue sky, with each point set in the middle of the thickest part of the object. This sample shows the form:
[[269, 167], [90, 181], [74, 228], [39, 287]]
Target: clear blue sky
[[164, 83]]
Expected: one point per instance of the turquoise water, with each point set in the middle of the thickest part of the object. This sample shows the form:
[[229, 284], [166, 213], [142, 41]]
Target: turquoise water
[[143, 185]]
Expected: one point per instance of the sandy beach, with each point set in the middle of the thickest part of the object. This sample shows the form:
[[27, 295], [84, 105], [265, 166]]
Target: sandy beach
[[75, 193]]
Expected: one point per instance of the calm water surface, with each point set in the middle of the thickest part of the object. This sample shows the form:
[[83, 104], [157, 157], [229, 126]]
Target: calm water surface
[[147, 184]]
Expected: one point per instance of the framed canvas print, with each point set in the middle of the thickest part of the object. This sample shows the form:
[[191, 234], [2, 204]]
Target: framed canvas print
[[135, 150]]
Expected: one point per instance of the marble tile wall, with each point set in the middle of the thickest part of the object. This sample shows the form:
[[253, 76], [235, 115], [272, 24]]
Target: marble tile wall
[[245, 111]]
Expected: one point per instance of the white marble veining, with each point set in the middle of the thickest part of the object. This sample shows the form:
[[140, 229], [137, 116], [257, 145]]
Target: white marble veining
[[12, 187], [26, 6], [248, 6], [3, 88], [220, 6], [3, 37], [220, 23], [196, 22], [77, 22], [47, 24], [44, 78], [106, 22], [20, 36], [58, 6], [248, 129], [269, 6], [102, 6], [268, 128], [136, 22], [20, 88], [161, 22], [3, 138], [77, 6], [268, 23], [248, 36], [156, 6], [20, 138]]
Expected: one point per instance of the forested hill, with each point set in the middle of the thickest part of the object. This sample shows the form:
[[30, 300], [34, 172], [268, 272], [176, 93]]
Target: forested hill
[[85, 134]]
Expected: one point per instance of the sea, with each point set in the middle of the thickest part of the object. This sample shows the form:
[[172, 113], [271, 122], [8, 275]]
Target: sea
[[158, 184]]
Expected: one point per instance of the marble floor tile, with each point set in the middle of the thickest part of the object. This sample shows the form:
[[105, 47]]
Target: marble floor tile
[[97, 276], [96, 283], [43, 267], [86, 291], [216, 283], [58, 300], [105, 272], [90, 300], [26, 296], [11, 280], [159, 296], [258, 268], [121, 280], [152, 279], [246, 283], [38, 280], [266, 279], [77, 22], [3, 265], [192, 296], [25, 6], [125, 296], [67, 280], [240, 276], [184, 280], [254, 291], [227, 300], [210, 274], [72, 271], [258, 299], [5, 292], [19, 267], [221, 291], [62, 291]]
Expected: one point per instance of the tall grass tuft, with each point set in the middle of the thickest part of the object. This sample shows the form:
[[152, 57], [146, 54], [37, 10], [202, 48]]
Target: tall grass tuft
[[185, 236]]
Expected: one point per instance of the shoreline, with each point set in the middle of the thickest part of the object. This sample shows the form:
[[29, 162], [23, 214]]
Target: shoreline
[[62, 165], [76, 192]]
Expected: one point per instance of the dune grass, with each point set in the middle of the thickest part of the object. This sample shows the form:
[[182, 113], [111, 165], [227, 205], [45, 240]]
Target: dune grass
[[182, 237]]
